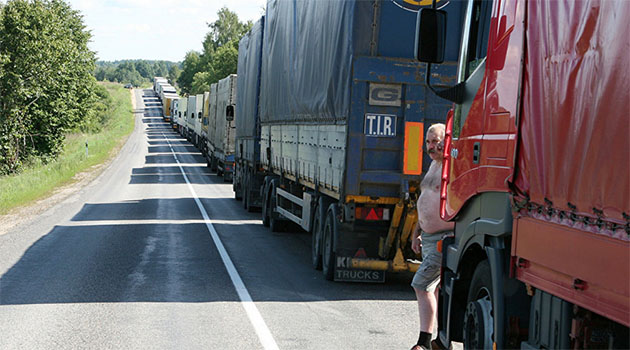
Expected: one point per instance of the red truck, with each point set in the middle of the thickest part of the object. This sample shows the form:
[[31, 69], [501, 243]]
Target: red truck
[[536, 174]]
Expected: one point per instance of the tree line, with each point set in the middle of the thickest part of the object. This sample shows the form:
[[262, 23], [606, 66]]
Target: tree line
[[46, 84], [136, 72]]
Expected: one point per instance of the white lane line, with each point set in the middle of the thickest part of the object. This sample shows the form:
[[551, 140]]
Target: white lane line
[[255, 318]]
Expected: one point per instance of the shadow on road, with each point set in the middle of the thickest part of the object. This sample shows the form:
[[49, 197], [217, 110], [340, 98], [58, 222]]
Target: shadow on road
[[160, 249]]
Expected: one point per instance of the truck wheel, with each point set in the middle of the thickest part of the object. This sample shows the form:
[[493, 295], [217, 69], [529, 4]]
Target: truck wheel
[[328, 249], [245, 195], [479, 318], [316, 241]]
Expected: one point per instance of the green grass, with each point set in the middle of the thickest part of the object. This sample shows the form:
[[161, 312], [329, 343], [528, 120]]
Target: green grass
[[40, 180]]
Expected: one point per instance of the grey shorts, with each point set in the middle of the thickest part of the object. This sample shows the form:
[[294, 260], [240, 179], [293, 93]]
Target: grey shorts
[[428, 275]]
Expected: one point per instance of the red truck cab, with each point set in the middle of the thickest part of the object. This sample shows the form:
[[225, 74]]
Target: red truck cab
[[536, 175]]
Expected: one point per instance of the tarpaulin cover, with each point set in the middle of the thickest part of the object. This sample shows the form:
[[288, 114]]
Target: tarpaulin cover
[[307, 60], [248, 71], [575, 129]]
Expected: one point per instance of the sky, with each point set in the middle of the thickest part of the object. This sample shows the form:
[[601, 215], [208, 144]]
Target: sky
[[155, 29]]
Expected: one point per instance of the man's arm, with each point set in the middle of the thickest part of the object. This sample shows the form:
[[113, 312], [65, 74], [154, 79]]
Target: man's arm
[[416, 241]]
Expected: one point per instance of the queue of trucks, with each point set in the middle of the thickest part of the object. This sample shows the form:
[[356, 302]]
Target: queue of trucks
[[323, 127]]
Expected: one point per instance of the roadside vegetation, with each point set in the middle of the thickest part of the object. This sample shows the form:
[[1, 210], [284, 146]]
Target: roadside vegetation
[[136, 72], [50, 102], [39, 179], [46, 85]]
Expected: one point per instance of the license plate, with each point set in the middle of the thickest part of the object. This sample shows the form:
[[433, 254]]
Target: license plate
[[380, 125]]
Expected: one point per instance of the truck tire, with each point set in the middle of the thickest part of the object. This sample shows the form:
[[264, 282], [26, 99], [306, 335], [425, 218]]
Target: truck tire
[[478, 329], [316, 240], [328, 248]]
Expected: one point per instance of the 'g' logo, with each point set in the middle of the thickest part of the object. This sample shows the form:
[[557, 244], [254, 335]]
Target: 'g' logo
[[414, 5]]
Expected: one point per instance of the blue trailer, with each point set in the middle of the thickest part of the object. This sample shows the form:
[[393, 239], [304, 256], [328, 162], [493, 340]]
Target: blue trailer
[[342, 112]]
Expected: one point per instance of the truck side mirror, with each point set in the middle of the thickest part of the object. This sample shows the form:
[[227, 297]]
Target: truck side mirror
[[229, 113], [430, 35]]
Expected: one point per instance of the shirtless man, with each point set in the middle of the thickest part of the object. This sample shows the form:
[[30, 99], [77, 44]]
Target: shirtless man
[[429, 230]]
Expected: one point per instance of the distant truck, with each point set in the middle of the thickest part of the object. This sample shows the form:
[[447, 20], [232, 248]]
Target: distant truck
[[174, 112], [167, 102], [197, 137], [182, 110], [222, 128], [343, 109], [157, 81], [248, 171], [536, 175], [191, 110], [204, 124]]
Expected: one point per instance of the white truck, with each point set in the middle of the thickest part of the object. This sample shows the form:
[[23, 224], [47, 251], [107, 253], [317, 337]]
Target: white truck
[[222, 129]]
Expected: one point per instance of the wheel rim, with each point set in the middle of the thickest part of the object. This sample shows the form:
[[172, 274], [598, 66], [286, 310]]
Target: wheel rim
[[479, 322]]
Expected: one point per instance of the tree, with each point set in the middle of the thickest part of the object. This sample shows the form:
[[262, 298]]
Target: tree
[[201, 83], [173, 74], [219, 57], [224, 61], [47, 84], [224, 30], [144, 69], [189, 68]]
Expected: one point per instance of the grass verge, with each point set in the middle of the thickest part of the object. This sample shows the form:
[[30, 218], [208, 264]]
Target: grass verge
[[40, 180]]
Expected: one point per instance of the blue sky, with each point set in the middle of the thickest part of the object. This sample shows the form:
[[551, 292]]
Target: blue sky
[[155, 29]]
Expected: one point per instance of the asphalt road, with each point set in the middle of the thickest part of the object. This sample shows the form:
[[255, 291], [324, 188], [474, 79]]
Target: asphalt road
[[146, 257]]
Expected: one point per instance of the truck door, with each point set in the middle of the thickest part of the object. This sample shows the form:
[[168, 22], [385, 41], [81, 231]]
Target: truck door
[[503, 84], [468, 131]]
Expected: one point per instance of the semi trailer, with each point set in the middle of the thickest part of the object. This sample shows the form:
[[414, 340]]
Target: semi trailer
[[248, 172], [342, 112]]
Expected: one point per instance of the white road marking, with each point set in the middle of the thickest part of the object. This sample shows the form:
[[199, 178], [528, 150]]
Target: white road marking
[[264, 335]]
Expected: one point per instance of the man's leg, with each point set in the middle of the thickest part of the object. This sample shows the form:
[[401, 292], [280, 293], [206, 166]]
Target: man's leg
[[427, 307]]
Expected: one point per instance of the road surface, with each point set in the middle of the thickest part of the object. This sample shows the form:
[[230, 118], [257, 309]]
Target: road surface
[[156, 254]]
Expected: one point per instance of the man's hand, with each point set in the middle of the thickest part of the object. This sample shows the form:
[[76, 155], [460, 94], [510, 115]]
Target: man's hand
[[416, 244]]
